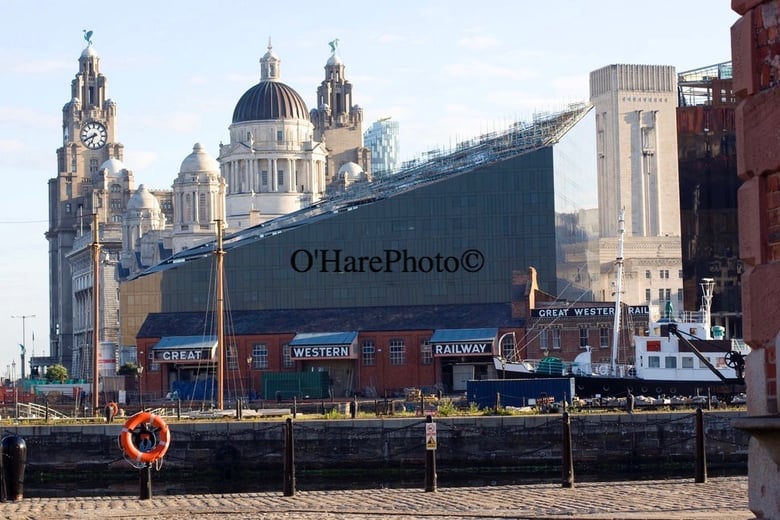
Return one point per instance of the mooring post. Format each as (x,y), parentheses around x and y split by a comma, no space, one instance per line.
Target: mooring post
(178,409)
(430,454)
(567,476)
(353,411)
(289,459)
(145,479)
(701,452)
(498,401)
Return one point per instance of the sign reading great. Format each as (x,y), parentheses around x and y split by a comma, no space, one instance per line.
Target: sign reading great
(584,312)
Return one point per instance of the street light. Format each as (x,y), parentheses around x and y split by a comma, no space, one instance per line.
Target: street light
(24,336)
(140,371)
(248,378)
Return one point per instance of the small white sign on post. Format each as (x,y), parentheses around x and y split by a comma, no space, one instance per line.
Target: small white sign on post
(430,436)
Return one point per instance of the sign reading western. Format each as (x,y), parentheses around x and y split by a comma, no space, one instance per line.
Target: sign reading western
(473,348)
(181,355)
(321,352)
(586,312)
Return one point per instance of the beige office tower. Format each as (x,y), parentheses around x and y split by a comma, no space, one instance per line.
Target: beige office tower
(636,143)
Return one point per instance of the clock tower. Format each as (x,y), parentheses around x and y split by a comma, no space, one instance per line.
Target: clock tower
(91,185)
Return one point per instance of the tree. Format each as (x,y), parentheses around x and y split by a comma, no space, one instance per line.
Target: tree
(57,373)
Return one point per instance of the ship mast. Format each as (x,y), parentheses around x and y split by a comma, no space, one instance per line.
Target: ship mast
(618,290)
(95,314)
(220,254)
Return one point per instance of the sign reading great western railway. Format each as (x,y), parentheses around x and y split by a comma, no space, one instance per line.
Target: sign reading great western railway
(474,348)
(586,312)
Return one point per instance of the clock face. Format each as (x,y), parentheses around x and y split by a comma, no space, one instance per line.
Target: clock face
(94,135)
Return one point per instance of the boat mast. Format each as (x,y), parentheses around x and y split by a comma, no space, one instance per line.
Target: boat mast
(707,288)
(618,290)
(220,254)
(95,314)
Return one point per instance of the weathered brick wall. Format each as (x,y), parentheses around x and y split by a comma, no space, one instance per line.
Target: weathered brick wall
(755,47)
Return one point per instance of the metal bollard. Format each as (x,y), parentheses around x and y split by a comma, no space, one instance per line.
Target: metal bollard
(430,463)
(701,452)
(14,454)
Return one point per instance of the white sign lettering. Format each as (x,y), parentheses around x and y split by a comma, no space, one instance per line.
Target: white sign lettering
(463,349)
(320,352)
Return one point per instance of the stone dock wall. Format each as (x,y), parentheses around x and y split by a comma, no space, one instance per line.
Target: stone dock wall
(611,442)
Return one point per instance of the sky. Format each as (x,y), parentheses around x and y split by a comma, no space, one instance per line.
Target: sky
(446,70)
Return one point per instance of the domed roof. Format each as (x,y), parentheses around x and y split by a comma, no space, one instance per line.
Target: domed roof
(352,172)
(142,199)
(199,161)
(89,52)
(114,167)
(334,59)
(270,100)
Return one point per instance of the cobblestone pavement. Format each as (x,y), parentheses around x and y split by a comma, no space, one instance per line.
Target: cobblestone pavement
(717,499)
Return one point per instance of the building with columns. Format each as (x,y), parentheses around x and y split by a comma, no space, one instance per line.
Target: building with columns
(338,124)
(273,164)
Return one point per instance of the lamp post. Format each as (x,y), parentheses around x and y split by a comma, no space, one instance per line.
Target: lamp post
(140,370)
(248,378)
(24,336)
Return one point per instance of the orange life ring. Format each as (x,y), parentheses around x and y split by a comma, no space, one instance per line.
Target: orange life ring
(145,438)
(112,408)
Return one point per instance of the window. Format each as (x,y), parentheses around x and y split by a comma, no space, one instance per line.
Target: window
(648,275)
(660,295)
(280,177)
(544,344)
(68,207)
(508,346)
(648,295)
(115,204)
(556,339)
(680,274)
(670,362)
(687,362)
(583,337)
(202,208)
(679,297)
(287,360)
(397,352)
(369,353)
(664,274)
(653,362)
(260,355)
(426,353)
(231,356)
(668,294)
(279,136)
(264,177)
(93,166)
(604,337)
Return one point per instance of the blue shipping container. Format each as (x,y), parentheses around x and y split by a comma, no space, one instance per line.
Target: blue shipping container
(519,392)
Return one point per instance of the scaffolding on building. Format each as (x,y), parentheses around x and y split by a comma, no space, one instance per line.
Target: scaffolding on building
(521,138)
(694,87)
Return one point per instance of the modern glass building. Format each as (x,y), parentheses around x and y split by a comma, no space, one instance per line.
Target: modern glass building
(456,230)
(382,139)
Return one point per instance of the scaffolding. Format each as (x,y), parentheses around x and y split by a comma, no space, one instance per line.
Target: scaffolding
(545,129)
(695,87)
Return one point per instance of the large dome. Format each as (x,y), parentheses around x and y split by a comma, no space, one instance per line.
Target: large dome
(270,100)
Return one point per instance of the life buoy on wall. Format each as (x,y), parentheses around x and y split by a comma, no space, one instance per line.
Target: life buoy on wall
(603,370)
(145,438)
(111,410)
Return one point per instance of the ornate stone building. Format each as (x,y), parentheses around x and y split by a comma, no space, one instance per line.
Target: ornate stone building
(273,164)
(338,123)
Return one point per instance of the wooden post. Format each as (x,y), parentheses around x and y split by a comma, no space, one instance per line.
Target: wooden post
(701,452)
(289,459)
(567,476)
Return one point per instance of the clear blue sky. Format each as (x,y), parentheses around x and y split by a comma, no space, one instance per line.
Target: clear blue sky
(447,70)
